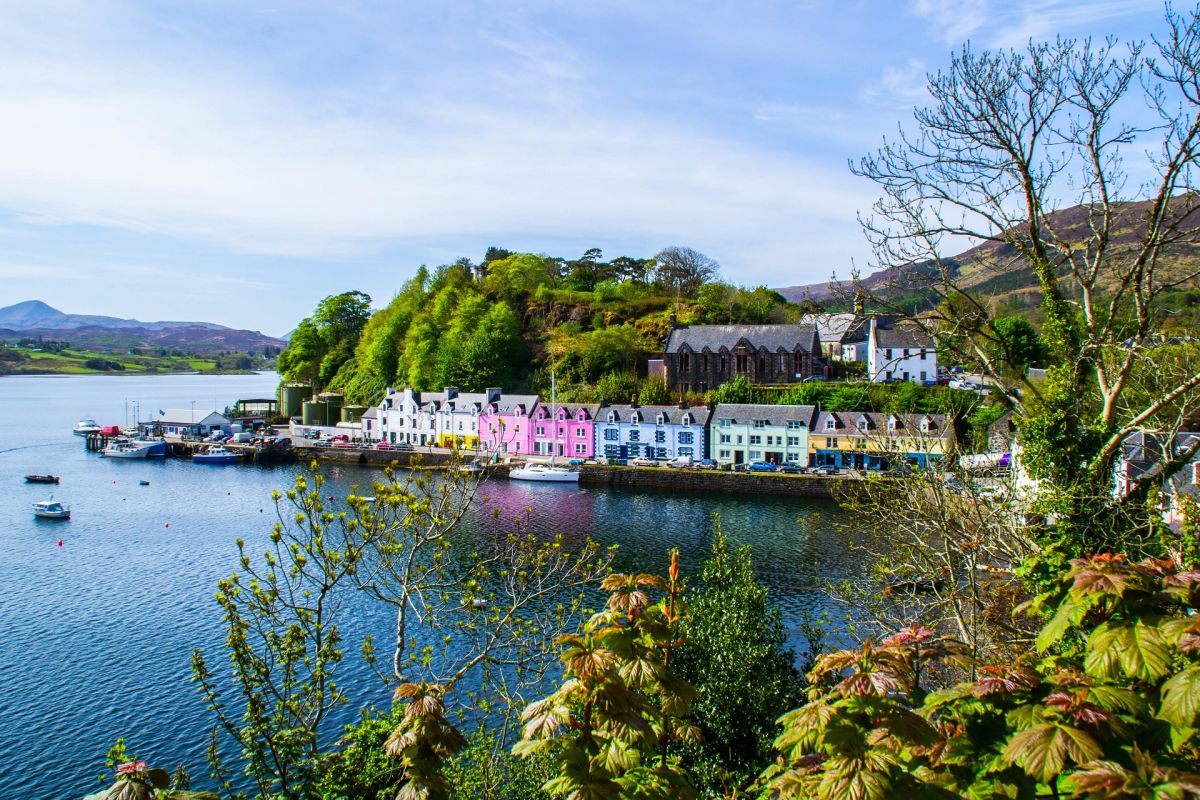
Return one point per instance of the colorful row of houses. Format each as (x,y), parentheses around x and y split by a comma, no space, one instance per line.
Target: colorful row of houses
(522,425)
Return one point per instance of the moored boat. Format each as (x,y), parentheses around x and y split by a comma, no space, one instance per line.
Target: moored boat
(123,448)
(51,509)
(85,426)
(41,479)
(217,455)
(544,472)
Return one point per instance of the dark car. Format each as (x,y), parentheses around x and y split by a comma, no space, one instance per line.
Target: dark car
(706,463)
(790,469)
(761,466)
(825,470)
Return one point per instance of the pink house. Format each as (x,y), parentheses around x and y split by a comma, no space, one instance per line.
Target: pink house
(506,426)
(571,432)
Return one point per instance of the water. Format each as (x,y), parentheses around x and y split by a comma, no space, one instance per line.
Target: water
(96,635)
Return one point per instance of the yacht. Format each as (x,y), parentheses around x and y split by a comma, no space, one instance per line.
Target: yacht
(85,426)
(51,509)
(544,472)
(217,455)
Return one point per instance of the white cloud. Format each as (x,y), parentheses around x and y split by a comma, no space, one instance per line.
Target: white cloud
(952,20)
(898,87)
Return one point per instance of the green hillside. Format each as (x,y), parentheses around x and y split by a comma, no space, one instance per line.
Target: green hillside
(513,318)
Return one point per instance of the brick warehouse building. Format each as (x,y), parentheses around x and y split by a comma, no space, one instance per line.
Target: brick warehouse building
(702,357)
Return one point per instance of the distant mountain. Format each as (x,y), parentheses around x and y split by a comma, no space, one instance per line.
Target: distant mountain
(33,319)
(36,314)
(995,270)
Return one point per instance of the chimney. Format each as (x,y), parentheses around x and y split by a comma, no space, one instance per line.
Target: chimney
(492,394)
(451,392)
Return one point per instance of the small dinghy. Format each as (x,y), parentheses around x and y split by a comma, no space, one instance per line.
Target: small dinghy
(41,479)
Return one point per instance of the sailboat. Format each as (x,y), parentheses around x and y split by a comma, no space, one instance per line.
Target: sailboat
(547,472)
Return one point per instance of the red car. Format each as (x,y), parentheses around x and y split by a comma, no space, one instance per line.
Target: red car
(341,443)
(384,446)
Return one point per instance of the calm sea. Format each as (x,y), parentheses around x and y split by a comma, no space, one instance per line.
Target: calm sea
(96,634)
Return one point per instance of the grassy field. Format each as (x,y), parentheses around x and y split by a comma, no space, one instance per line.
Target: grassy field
(25,361)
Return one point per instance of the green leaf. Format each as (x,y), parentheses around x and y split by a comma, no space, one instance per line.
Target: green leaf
(1146,656)
(1042,751)
(1181,698)
(1070,613)
(1104,646)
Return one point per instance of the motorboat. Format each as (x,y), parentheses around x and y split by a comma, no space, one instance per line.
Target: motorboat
(544,472)
(51,509)
(86,426)
(135,448)
(469,468)
(217,455)
(41,479)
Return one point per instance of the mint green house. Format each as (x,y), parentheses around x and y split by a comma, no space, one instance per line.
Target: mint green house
(745,432)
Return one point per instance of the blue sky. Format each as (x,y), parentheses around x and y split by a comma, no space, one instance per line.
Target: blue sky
(235,162)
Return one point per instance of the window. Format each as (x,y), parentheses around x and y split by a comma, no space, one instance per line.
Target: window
(739,439)
(891,424)
(580,433)
(743,363)
(725,438)
(612,417)
(923,378)
(755,440)
(685,451)
(704,362)
(782,362)
(862,423)
(793,441)
(906,352)
(660,419)
(888,354)
(660,436)
(830,424)
(724,363)
(612,450)
(831,442)
(580,448)
(762,365)
(795,425)
(760,423)
(685,362)
(541,430)
(723,454)
(725,423)
(635,435)
(687,420)
(793,457)
(611,434)
(686,437)
(756,455)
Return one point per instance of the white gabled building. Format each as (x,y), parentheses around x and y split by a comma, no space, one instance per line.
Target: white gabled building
(191,423)
(658,432)
(432,419)
(900,351)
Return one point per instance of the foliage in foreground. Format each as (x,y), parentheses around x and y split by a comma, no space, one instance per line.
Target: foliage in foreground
(1112,714)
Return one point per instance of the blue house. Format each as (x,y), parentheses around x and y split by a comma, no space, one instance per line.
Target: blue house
(658,432)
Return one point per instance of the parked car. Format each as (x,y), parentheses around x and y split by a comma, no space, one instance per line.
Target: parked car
(641,461)
(341,437)
(321,443)
(312,434)
(791,469)
(242,438)
(824,470)
(813,379)
(761,466)
(384,446)
(680,462)
(706,463)
(341,443)
(576,462)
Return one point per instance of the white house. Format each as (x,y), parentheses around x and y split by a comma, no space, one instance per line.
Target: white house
(658,432)
(443,419)
(186,422)
(900,352)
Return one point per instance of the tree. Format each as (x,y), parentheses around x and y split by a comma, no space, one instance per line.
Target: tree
(734,656)
(1009,137)
(683,270)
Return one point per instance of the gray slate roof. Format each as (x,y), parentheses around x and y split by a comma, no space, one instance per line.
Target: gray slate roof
(673,414)
(839,328)
(772,337)
(746,413)
(910,424)
(371,413)
(902,334)
(508,403)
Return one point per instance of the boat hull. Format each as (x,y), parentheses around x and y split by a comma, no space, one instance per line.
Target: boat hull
(546,475)
(41,479)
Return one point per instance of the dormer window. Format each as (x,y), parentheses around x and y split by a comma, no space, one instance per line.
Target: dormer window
(687,419)
(830,424)
(795,425)
(636,419)
(724,423)
(891,423)
(925,426)
(660,420)
(612,417)
(862,423)
(760,423)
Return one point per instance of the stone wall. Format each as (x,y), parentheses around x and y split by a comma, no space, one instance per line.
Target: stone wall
(695,480)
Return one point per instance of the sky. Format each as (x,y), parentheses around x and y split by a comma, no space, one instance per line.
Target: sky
(235,162)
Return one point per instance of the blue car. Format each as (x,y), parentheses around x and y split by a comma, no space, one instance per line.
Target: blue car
(761,466)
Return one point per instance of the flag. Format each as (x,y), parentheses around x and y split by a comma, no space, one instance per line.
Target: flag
(162,413)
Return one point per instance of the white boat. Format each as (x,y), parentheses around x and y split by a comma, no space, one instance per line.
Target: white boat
(124,448)
(217,455)
(547,472)
(544,472)
(85,426)
(51,509)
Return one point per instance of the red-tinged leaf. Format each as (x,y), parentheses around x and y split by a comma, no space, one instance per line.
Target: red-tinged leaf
(1181,698)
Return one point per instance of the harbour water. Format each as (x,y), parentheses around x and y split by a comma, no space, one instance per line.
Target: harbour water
(96,634)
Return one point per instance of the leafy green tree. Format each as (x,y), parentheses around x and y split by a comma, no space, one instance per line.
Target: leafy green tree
(733,653)
(1020,345)
(617,387)
(682,270)
(654,392)
(300,361)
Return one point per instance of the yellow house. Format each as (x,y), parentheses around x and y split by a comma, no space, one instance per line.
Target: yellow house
(871,441)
